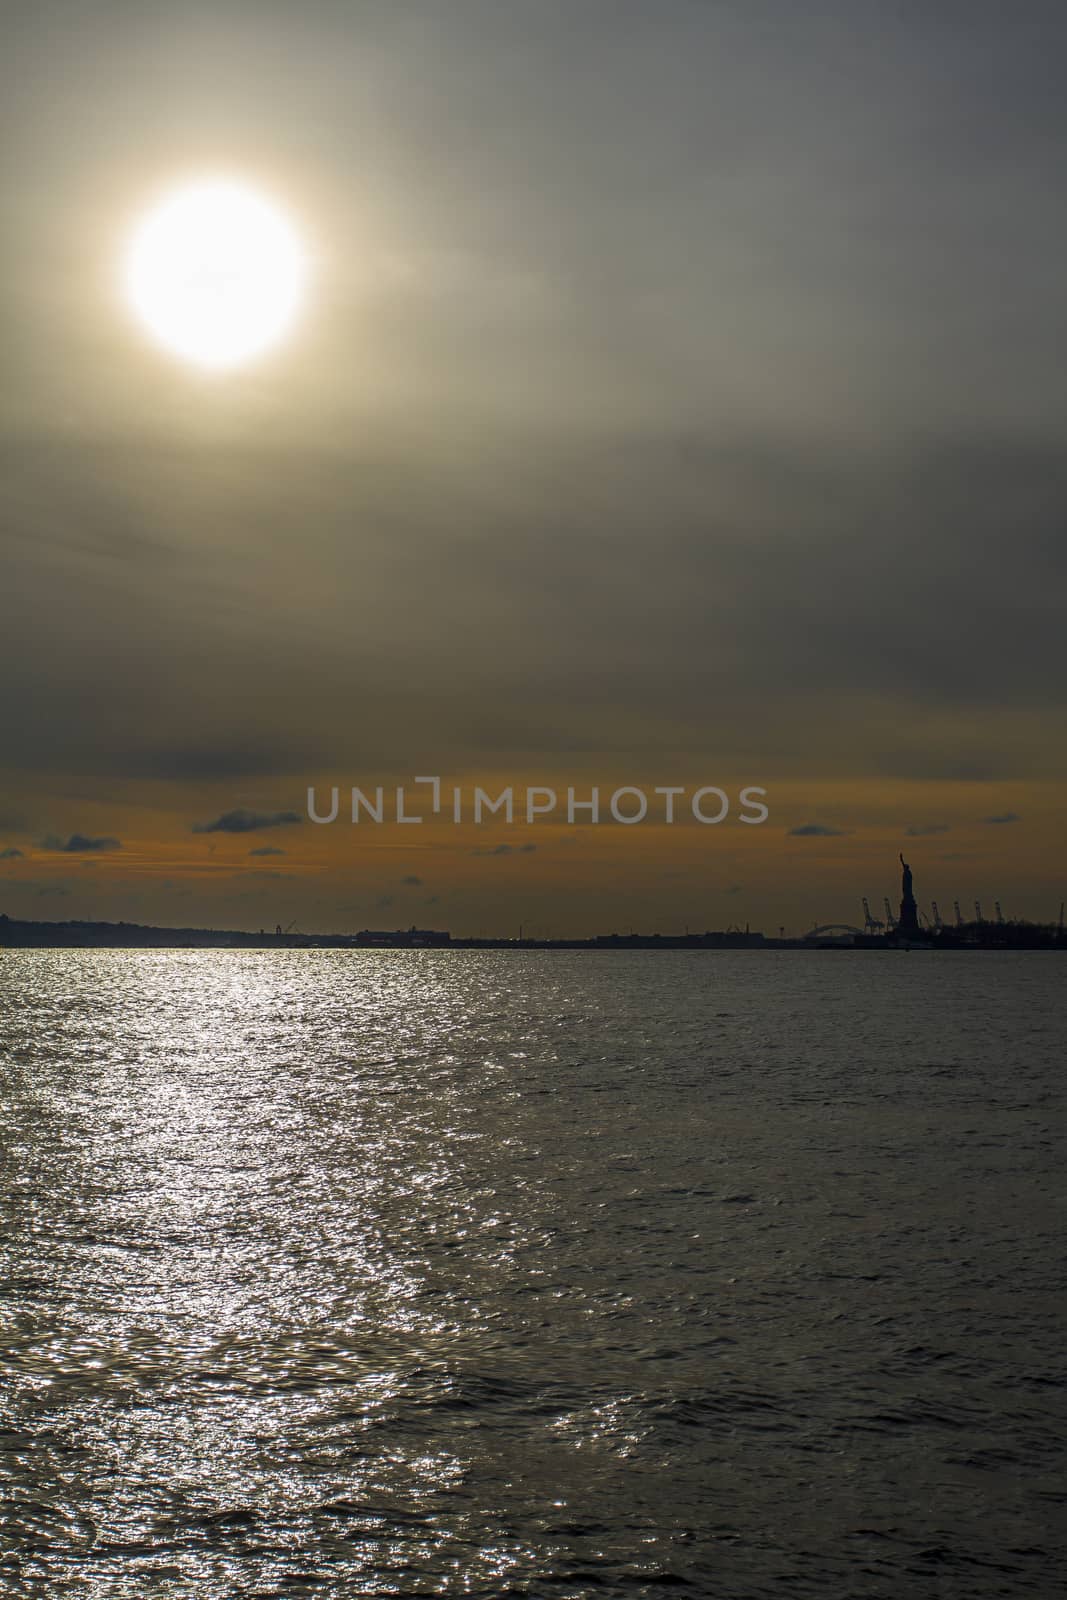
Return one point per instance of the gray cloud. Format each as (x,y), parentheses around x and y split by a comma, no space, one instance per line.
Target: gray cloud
(267,850)
(920,830)
(11,854)
(816,830)
(242,821)
(762,551)
(413,881)
(79,844)
(507,850)
(698,364)
(1004,817)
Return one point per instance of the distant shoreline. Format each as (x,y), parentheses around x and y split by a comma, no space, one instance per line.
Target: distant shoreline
(27,935)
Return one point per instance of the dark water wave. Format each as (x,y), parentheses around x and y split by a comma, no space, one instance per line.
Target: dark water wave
(551,1275)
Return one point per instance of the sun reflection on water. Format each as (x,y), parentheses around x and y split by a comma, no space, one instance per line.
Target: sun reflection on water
(402,1273)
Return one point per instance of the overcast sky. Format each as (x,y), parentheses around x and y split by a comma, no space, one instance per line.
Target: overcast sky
(681,392)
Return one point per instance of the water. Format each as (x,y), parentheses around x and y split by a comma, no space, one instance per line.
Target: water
(548,1274)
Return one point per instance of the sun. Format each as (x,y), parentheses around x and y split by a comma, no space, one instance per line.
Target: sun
(216,273)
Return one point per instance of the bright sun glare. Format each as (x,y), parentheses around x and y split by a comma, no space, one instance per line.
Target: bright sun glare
(216,273)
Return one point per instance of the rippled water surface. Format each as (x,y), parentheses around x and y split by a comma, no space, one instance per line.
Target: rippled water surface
(547,1274)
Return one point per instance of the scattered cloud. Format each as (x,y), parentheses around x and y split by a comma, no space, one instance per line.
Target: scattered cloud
(79,844)
(1005,816)
(507,850)
(735,888)
(919,830)
(816,830)
(10,854)
(242,821)
(52,889)
(415,883)
(267,850)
